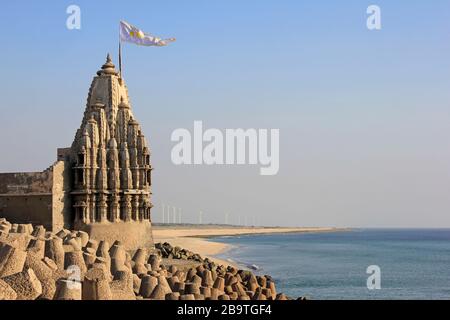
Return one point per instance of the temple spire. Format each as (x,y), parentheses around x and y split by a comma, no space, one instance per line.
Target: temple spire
(110,157)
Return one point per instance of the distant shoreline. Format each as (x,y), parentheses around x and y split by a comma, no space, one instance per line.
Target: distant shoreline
(214,230)
(197,237)
(276,231)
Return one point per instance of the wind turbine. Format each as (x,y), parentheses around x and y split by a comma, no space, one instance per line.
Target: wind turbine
(174,215)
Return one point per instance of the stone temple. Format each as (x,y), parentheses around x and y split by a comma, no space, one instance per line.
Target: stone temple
(101,184)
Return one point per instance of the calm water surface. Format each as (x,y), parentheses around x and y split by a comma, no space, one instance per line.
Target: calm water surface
(415,264)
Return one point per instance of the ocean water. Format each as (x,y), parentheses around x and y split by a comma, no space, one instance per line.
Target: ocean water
(414,264)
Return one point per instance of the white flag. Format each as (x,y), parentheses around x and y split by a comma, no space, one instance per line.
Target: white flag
(134,35)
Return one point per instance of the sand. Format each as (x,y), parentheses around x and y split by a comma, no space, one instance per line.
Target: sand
(195,237)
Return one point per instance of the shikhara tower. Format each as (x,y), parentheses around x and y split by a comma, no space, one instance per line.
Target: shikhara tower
(101,184)
(110,156)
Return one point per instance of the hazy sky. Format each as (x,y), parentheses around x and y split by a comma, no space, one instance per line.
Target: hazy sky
(364,116)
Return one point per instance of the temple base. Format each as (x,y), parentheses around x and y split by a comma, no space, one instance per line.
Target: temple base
(132,234)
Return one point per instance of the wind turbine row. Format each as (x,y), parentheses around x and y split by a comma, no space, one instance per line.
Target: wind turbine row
(172,214)
(167,213)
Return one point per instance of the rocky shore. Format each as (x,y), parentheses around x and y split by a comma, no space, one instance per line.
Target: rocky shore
(68,265)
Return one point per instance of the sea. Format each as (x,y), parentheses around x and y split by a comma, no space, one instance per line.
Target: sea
(356,264)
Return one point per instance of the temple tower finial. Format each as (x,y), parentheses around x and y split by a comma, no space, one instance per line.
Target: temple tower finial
(108,68)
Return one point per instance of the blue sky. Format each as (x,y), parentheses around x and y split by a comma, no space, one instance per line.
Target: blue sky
(364,116)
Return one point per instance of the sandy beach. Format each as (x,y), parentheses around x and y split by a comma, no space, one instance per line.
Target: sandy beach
(195,237)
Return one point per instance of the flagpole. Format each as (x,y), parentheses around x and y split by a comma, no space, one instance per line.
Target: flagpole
(120,55)
(120,59)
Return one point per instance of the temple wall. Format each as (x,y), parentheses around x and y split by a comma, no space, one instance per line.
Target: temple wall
(27,197)
(40,198)
(26,182)
(132,234)
(61,200)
